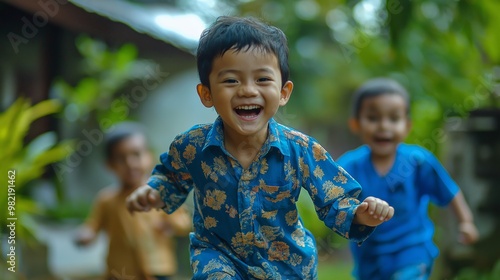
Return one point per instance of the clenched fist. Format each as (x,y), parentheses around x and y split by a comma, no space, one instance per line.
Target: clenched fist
(144,199)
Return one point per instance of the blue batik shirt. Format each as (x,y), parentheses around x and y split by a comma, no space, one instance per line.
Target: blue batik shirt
(250,215)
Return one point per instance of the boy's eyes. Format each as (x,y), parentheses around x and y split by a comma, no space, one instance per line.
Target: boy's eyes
(230,81)
(395,118)
(234,81)
(264,79)
(136,154)
(121,158)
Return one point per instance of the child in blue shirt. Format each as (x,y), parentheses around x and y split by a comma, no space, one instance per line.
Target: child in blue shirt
(247,170)
(408,177)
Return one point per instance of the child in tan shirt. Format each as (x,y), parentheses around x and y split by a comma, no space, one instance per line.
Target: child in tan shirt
(131,236)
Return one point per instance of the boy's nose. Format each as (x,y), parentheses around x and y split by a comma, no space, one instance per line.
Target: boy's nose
(384,124)
(131,162)
(247,89)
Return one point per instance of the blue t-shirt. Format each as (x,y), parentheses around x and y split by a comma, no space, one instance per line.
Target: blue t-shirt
(245,220)
(415,178)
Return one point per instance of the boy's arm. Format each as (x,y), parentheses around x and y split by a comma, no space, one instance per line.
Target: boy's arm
(179,223)
(435,181)
(169,184)
(144,199)
(334,193)
(87,232)
(467,229)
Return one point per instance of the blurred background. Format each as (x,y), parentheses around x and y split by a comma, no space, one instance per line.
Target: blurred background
(71,69)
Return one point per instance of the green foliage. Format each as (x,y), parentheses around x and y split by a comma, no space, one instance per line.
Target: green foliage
(332,269)
(443,52)
(106,72)
(473,274)
(30,160)
(65,210)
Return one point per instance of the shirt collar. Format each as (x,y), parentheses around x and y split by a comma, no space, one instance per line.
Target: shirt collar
(275,139)
(215,136)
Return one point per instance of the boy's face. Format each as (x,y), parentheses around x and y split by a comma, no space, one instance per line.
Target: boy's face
(131,161)
(245,89)
(383,123)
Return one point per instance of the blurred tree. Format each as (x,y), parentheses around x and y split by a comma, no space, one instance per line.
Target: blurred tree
(95,98)
(445,52)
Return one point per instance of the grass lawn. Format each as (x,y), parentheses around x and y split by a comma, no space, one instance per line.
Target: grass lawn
(334,269)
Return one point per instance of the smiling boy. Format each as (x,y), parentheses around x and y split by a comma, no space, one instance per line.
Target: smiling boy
(408,177)
(141,246)
(247,170)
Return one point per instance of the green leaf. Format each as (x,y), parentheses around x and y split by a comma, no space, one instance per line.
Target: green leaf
(63,90)
(124,56)
(28,161)
(43,108)
(55,154)
(40,144)
(86,92)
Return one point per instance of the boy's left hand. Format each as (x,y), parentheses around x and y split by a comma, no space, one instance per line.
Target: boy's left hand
(468,233)
(373,211)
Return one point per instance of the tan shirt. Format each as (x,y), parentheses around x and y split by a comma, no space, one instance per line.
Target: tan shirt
(142,244)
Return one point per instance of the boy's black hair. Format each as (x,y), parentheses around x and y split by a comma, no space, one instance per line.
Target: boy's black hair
(240,34)
(376,87)
(118,133)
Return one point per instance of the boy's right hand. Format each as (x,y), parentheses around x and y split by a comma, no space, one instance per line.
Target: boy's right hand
(373,211)
(144,199)
(84,236)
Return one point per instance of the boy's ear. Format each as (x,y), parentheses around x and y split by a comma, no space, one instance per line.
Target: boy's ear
(205,95)
(354,125)
(286,92)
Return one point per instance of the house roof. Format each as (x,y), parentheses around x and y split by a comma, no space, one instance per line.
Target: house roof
(162,21)
(146,23)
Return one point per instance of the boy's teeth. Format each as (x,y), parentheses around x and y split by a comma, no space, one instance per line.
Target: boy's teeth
(247,107)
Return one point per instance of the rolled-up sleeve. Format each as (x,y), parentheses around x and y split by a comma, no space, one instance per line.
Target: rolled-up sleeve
(171,178)
(334,193)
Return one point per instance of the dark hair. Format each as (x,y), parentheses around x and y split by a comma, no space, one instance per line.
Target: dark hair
(118,133)
(240,34)
(376,87)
